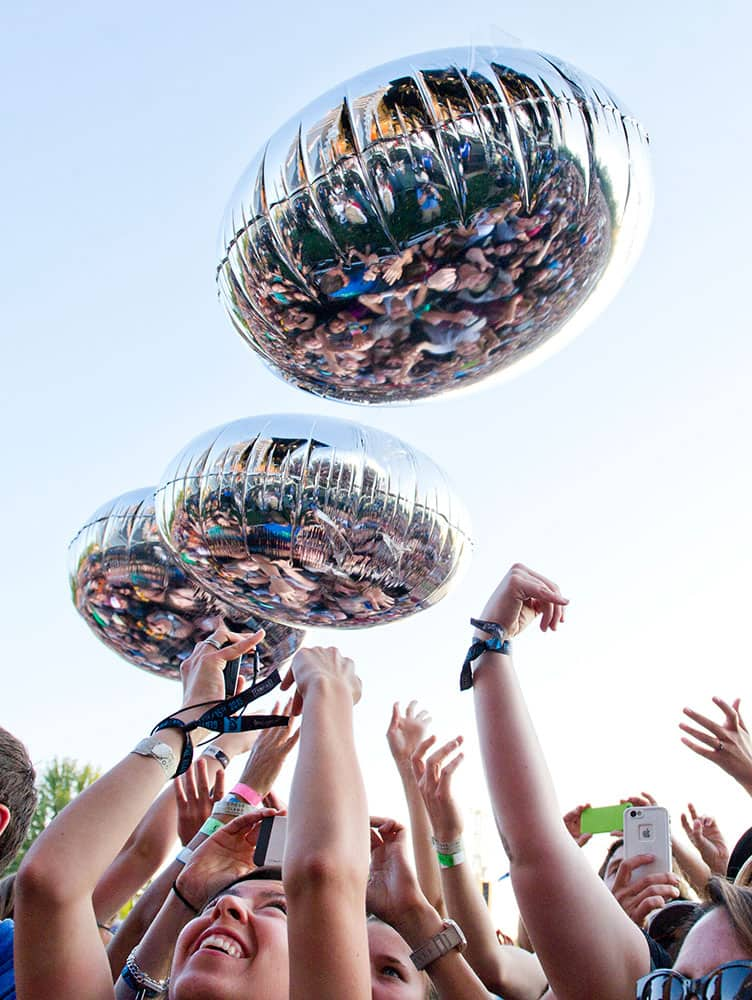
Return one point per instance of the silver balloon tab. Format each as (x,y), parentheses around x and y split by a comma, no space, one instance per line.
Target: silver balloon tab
(440,221)
(140,602)
(313,521)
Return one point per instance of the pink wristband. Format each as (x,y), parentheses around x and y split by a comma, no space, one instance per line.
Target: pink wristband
(246,793)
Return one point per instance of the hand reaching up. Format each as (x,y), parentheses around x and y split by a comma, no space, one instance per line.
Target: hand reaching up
(727,744)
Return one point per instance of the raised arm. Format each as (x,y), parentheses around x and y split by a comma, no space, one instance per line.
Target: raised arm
(506,970)
(395,896)
(327,852)
(585,942)
(404,735)
(58,949)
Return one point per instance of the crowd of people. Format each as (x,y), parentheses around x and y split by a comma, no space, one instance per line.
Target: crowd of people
(362,907)
(483,276)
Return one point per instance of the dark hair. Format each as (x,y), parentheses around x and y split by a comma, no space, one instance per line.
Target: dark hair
(613,847)
(17,792)
(267,873)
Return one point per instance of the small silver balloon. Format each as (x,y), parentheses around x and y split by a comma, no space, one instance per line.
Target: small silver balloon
(313,521)
(433,223)
(140,603)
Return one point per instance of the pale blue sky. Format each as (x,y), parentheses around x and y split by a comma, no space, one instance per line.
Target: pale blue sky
(619,467)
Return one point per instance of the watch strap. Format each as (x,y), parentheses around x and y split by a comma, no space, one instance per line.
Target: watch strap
(449,938)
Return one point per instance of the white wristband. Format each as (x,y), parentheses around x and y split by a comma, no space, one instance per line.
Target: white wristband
(184,856)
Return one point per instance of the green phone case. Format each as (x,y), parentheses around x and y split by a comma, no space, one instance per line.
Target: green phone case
(603,819)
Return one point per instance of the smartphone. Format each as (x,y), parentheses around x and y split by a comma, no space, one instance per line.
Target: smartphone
(270,846)
(603,819)
(647,830)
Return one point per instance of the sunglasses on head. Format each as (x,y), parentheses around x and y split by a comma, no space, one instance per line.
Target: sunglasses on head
(732,981)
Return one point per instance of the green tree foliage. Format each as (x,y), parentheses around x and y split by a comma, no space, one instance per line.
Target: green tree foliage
(60,782)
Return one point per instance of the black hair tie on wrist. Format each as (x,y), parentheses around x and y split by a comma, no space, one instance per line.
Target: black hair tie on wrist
(495,644)
(183,900)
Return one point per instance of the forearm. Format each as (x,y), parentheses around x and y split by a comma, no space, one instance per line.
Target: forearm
(692,865)
(146,851)
(327,853)
(504,969)
(578,907)
(451,975)
(328,814)
(153,953)
(519,782)
(426,863)
(69,857)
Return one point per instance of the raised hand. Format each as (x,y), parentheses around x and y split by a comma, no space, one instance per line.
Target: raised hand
(269,753)
(392,886)
(406,731)
(521,597)
(202,672)
(434,777)
(320,665)
(196,796)
(727,744)
(705,834)
(572,821)
(638,899)
(223,857)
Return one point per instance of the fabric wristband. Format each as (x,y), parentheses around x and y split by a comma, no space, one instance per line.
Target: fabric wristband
(211,826)
(496,644)
(246,793)
(184,856)
(450,860)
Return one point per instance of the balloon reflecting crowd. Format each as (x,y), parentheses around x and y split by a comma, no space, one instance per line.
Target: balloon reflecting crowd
(459,302)
(317,898)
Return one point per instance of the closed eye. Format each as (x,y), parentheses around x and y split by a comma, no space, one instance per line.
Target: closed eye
(277,904)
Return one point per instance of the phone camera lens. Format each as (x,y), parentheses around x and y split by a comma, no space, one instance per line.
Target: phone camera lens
(633,812)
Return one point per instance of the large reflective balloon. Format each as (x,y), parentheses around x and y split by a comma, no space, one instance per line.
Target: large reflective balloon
(434,222)
(313,521)
(139,602)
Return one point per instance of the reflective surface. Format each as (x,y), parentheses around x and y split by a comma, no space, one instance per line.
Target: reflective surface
(433,222)
(313,521)
(139,602)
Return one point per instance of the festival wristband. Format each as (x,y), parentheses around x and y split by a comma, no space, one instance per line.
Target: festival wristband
(450,860)
(246,793)
(495,644)
(232,807)
(448,847)
(211,826)
(184,856)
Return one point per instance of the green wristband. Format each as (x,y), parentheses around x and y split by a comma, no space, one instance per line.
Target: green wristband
(211,826)
(451,860)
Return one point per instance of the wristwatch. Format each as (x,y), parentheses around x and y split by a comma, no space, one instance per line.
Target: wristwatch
(449,938)
(152,746)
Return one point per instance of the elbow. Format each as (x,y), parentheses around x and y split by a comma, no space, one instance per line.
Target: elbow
(39,879)
(321,873)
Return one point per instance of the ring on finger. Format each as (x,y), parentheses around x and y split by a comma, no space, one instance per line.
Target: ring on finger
(214,642)
(719,745)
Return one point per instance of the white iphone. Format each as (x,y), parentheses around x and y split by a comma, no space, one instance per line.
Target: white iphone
(647,830)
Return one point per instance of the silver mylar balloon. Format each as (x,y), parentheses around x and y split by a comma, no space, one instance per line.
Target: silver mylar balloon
(434,222)
(312,521)
(139,602)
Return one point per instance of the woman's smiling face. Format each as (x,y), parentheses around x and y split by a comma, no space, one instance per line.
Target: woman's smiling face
(239,939)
